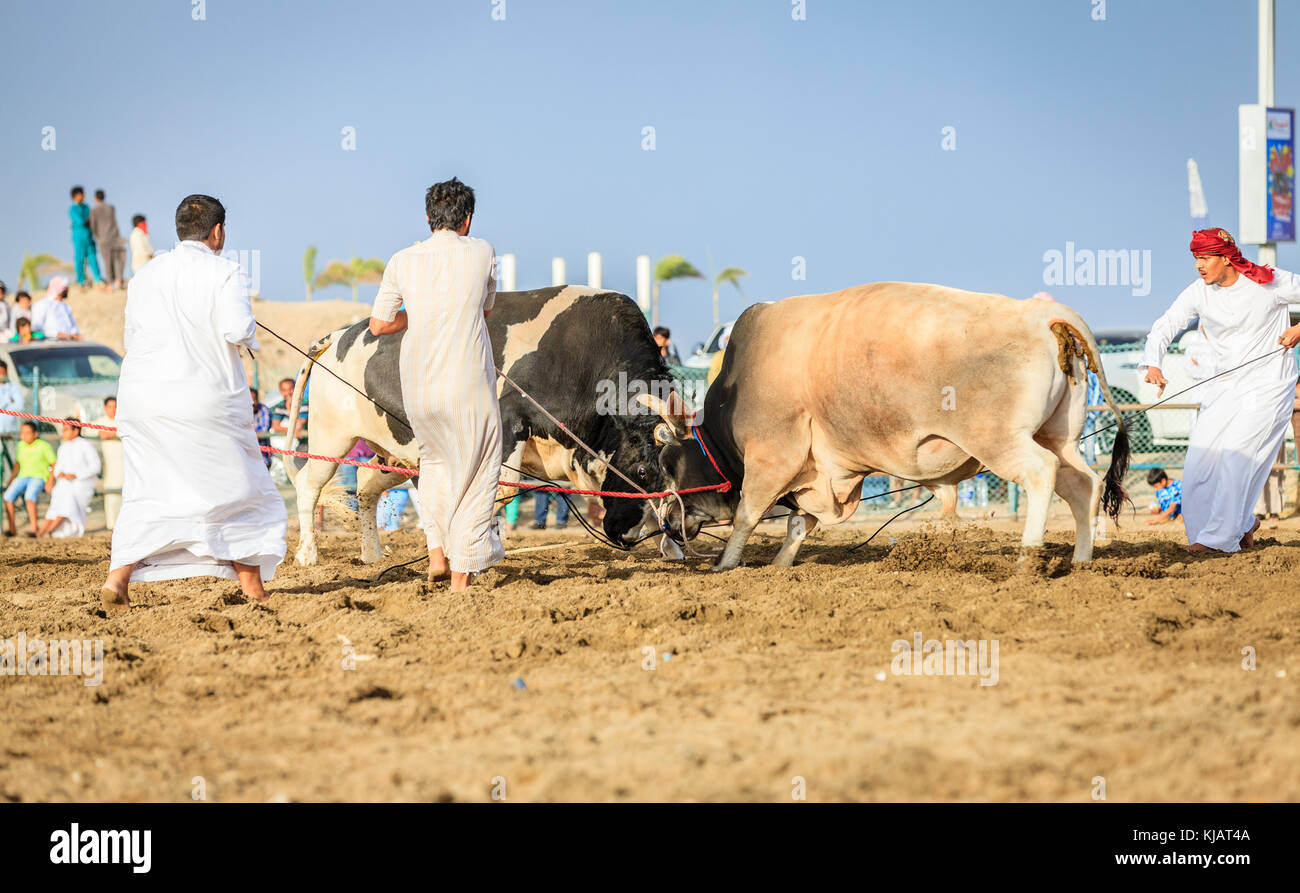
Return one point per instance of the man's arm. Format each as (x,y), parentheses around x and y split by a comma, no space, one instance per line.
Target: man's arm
(388,327)
(385,317)
(235,312)
(1175,319)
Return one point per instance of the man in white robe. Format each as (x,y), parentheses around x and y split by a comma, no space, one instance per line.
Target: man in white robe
(75,472)
(449,381)
(1244,413)
(111,451)
(196,497)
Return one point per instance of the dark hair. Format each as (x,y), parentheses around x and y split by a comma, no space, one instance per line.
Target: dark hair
(137,220)
(21,320)
(76,191)
(4,365)
(21,295)
(1155,476)
(31,425)
(447,204)
(196,215)
(112,398)
(660,330)
(290,380)
(4,289)
(76,426)
(99,194)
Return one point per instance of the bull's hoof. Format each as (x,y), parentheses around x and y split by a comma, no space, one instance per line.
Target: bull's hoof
(724,566)
(306,557)
(1033,561)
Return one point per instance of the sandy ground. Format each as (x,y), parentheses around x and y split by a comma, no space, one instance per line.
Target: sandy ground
(538,681)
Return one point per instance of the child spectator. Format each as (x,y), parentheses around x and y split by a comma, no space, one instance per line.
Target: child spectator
(28,478)
(22,307)
(24,333)
(73,486)
(1169,494)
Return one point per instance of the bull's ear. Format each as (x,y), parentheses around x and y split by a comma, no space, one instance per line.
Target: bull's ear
(672,410)
(663,434)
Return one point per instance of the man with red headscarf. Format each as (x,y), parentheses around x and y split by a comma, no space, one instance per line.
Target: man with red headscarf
(1244,413)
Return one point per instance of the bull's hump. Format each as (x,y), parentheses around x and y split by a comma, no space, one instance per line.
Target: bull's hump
(523,337)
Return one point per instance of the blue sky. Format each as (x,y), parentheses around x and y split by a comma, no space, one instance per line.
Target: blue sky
(775,138)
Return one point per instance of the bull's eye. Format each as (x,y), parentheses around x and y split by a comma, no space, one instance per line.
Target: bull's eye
(641,472)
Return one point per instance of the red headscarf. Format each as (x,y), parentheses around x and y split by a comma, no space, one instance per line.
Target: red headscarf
(1219,242)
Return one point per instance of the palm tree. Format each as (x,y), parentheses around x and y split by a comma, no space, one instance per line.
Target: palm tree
(673,266)
(309,268)
(371,270)
(732,275)
(37,265)
(351,273)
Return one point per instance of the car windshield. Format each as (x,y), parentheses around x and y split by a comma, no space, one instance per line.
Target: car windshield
(76,362)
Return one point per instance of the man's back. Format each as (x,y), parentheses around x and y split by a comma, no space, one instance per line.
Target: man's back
(185,312)
(103,223)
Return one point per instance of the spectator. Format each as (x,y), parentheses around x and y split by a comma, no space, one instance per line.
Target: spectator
(29,477)
(111,448)
(22,307)
(24,334)
(666,350)
(392,505)
(11,398)
(141,245)
(83,243)
(53,316)
(262,424)
(1270,503)
(280,418)
(1169,494)
(73,485)
(6,314)
(348,473)
(541,503)
(103,227)
(1088,438)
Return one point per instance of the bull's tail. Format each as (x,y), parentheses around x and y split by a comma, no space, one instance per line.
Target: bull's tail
(299,385)
(1078,341)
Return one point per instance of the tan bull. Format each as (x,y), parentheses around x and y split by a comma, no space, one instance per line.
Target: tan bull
(919,381)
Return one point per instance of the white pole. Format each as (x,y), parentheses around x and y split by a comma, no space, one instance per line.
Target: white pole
(1267,9)
(507,282)
(557,271)
(643,282)
(593,269)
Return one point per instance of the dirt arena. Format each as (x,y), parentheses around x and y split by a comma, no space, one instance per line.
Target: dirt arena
(1130,669)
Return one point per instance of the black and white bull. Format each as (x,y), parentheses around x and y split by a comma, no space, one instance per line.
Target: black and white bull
(564,345)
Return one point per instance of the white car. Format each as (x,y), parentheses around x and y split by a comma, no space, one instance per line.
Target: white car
(71,378)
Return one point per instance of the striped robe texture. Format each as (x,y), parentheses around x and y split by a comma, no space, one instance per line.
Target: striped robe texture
(449,389)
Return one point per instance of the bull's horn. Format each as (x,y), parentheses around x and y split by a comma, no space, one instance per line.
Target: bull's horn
(673,410)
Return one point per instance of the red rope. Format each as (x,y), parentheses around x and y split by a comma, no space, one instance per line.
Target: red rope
(409,472)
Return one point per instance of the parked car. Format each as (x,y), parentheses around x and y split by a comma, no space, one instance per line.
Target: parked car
(73,377)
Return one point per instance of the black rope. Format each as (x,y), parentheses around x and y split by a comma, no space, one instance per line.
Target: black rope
(890,521)
(317,364)
(1271,353)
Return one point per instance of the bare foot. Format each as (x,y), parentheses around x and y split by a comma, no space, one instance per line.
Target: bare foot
(114,599)
(460,582)
(439,569)
(1249,539)
(1197,547)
